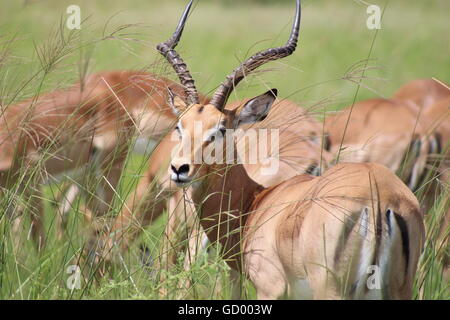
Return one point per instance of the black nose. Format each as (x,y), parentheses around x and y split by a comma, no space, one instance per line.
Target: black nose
(183,169)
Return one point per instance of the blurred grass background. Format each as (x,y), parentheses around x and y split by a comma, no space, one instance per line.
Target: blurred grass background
(411,44)
(334,41)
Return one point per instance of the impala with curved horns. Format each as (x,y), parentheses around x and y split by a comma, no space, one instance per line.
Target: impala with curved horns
(299,138)
(318,235)
(300,152)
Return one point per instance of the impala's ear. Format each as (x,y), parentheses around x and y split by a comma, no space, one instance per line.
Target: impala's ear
(256,109)
(177,104)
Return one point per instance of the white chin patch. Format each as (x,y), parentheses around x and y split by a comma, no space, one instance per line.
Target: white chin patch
(180,180)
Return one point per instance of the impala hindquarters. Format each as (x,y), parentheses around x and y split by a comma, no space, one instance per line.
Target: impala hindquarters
(422,93)
(326,237)
(430,101)
(384,131)
(409,134)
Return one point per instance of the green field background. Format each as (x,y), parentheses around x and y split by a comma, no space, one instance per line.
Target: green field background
(412,43)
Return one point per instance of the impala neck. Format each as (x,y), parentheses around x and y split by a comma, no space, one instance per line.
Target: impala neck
(223,200)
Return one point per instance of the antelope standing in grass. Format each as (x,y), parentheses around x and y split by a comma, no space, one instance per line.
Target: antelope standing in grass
(431,99)
(300,151)
(382,131)
(409,134)
(87,126)
(308,234)
(398,133)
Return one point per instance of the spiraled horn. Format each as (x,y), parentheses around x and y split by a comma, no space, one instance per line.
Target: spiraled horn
(168,51)
(222,94)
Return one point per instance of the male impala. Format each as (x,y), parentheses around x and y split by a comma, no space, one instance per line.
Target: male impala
(300,151)
(319,233)
(85,126)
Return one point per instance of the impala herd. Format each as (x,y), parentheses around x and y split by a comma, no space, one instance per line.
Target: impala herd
(339,204)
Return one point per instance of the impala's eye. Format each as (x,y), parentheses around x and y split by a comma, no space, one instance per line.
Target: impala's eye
(178,131)
(216,135)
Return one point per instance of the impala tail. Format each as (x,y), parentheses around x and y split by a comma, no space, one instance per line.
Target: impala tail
(417,165)
(383,264)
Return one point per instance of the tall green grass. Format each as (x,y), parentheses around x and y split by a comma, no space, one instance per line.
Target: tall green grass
(38,54)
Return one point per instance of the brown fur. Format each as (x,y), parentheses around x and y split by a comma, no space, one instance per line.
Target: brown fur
(300,147)
(69,124)
(293,233)
(386,130)
(379,130)
(397,133)
(290,232)
(422,92)
(266,249)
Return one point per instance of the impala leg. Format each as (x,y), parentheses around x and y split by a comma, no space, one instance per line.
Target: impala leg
(36,208)
(182,233)
(19,201)
(236,285)
(266,273)
(141,209)
(65,202)
(13,212)
(197,243)
(97,202)
(170,244)
(99,181)
(16,218)
(108,166)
